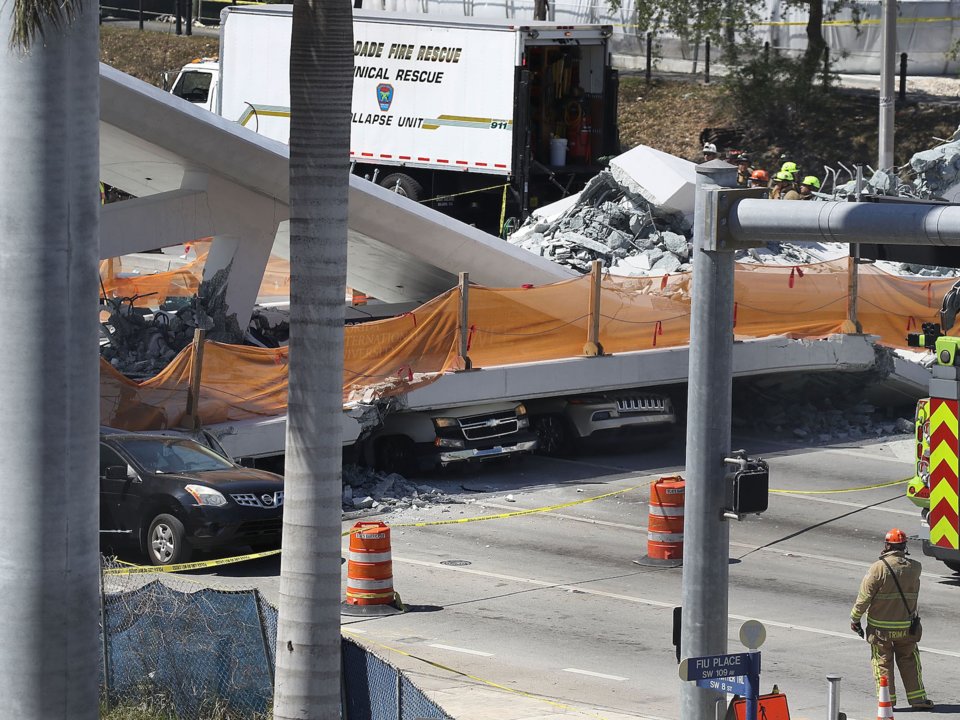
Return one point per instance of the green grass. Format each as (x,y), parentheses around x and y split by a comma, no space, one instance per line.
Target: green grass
(159,708)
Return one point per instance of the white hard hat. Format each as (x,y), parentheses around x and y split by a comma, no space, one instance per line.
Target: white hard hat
(710,148)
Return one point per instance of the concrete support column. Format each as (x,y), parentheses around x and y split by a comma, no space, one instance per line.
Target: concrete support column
(245,225)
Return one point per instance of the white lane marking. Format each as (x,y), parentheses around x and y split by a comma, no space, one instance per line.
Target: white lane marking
(775,550)
(745,546)
(637,600)
(847,503)
(451,648)
(595,674)
(855,452)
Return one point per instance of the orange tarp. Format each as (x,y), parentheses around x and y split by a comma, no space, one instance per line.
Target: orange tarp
(522,325)
(119,280)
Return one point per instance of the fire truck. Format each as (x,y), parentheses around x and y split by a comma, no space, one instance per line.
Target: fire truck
(934,488)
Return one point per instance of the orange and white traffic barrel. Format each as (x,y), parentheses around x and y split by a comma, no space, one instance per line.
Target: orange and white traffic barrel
(665,523)
(370,572)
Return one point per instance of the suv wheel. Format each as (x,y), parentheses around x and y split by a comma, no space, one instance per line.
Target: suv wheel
(395,454)
(167,542)
(553,438)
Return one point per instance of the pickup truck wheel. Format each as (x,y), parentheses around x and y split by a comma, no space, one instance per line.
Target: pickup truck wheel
(553,436)
(403,184)
(167,541)
(953,565)
(394,454)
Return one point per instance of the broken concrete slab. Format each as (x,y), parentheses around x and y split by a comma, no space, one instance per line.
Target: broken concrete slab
(664,180)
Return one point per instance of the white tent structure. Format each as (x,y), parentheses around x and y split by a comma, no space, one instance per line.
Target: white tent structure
(926,29)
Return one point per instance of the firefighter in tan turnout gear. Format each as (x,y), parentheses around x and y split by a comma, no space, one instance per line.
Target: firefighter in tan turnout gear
(888,596)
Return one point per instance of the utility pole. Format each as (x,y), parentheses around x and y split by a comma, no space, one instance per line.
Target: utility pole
(887,77)
(706,533)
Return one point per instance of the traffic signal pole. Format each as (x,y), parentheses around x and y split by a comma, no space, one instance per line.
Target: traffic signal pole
(728,220)
(757,221)
(706,536)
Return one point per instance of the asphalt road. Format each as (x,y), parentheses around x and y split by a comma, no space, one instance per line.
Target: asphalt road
(546,614)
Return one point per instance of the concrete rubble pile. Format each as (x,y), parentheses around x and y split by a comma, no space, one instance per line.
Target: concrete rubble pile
(822,409)
(936,176)
(140,343)
(608,222)
(826,423)
(633,217)
(366,489)
(636,217)
(938,171)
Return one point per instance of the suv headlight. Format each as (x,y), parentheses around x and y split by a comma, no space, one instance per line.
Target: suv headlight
(444,422)
(521,410)
(206,495)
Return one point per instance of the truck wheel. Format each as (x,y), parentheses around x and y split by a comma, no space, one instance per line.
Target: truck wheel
(403,184)
(553,437)
(167,541)
(953,565)
(394,454)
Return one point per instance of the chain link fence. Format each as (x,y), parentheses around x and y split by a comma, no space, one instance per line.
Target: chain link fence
(173,645)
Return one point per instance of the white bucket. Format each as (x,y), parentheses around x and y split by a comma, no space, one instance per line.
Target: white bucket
(558,151)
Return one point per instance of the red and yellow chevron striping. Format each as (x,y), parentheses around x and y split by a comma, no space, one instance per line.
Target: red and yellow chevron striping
(944,449)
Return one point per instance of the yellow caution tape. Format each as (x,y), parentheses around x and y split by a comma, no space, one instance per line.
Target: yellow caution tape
(516,513)
(561,506)
(180,567)
(503,209)
(868,21)
(826,23)
(488,683)
(467,192)
(843,490)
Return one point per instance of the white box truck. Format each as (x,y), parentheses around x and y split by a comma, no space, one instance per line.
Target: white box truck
(481,119)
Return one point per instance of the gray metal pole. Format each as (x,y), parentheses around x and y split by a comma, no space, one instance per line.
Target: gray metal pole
(887,76)
(464,320)
(706,534)
(881,223)
(833,697)
(853,289)
(592,346)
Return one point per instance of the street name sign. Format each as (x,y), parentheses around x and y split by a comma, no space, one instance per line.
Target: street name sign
(736,685)
(713,667)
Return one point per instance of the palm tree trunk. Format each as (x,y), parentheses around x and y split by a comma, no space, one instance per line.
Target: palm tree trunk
(815,43)
(308,630)
(49,248)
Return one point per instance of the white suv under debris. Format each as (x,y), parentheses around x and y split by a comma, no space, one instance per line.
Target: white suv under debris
(561,422)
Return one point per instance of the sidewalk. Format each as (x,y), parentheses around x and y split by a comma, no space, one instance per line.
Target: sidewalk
(945,87)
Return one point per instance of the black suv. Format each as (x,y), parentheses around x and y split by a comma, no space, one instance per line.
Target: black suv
(171,494)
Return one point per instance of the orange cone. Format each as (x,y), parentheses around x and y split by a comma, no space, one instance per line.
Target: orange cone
(884,706)
(370,572)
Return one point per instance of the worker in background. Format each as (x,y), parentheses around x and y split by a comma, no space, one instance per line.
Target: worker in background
(709,152)
(744,171)
(807,187)
(790,167)
(759,179)
(888,596)
(782,184)
(732,156)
